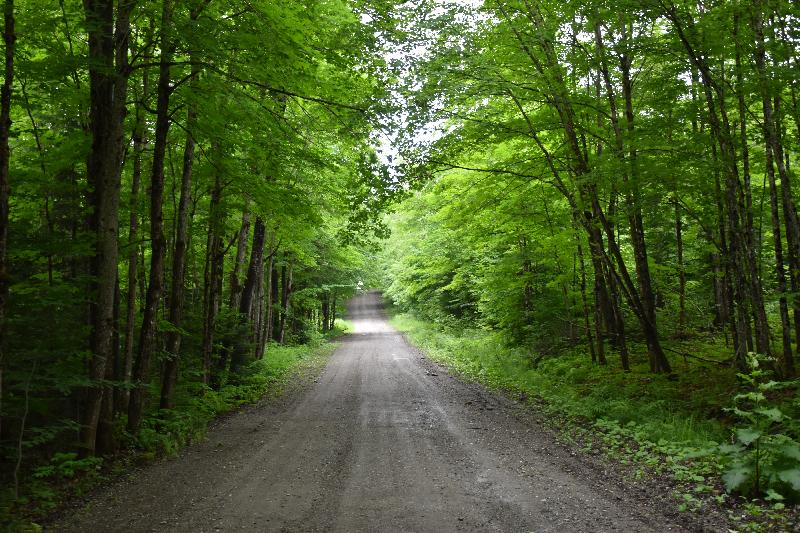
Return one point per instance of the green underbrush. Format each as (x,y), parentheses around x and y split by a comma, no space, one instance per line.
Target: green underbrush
(53,480)
(700,425)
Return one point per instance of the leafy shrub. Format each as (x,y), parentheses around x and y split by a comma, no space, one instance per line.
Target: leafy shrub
(763,459)
(67,466)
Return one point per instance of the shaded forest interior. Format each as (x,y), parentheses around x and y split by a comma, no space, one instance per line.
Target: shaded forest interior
(191,189)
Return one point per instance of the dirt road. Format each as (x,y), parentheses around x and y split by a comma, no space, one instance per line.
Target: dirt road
(383,440)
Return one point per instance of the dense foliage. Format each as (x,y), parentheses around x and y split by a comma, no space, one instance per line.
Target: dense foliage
(185,184)
(609,178)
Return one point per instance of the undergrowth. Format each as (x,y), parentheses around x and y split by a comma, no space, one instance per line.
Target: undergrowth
(686,426)
(64,476)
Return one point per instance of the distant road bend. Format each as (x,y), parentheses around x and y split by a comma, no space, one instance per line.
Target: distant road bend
(383,440)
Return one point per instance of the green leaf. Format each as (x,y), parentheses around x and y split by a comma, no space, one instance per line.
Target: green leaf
(791,450)
(730,449)
(773,496)
(747,435)
(736,477)
(792,477)
(773,413)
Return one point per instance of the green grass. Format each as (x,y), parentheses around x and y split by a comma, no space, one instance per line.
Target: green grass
(166,432)
(657,424)
(688,410)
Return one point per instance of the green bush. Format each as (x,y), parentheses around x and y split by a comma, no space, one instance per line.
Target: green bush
(764,457)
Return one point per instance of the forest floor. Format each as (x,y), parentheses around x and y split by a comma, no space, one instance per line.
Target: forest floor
(384,440)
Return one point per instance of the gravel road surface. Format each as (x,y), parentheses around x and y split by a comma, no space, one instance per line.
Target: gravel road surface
(381,440)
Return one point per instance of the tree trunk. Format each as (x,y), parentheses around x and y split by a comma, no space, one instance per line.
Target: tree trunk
(285,296)
(775,154)
(212,278)
(173,337)
(249,291)
(786,334)
(268,321)
(681,270)
(585,303)
(251,280)
(108,83)
(276,313)
(241,255)
(326,312)
(333,310)
(9,38)
(106,443)
(742,297)
(139,144)
(658,360)
(141,371)
(760,322)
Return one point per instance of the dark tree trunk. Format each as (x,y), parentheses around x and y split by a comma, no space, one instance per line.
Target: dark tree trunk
(775,154)
(251,280)
(326,312)
(9,38)
(585,304)
(604,315)
(760,322)
(738,258)
(108,83)
(249,291)
(681,270)
(276,313)
(285,296)
(333,310)
(241,255)
(173,338)
(658,360)
(141,371)
(212,278)
(139,144)
(106,443)
(786,333)
(270,299)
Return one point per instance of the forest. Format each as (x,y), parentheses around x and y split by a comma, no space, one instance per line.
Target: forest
(593,196)
(606,217)
(184,187)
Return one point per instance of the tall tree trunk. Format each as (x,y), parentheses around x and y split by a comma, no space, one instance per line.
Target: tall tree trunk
(173,337)
(285,296)
(141,371)
(734,209)
(212,278)
(276,313)
(326,312)
(241,255)
(9,38)
(106,443)
(270,299)
(681,330)
(786,334)
(108,84)
(585,304)
(775,152)
(760,322)
(333,310)
(249,291)
(604,314)
(251,280)
(658,360)
(139,144)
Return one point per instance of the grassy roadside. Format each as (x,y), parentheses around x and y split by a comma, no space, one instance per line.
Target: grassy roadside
(659,426)
(48,487)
